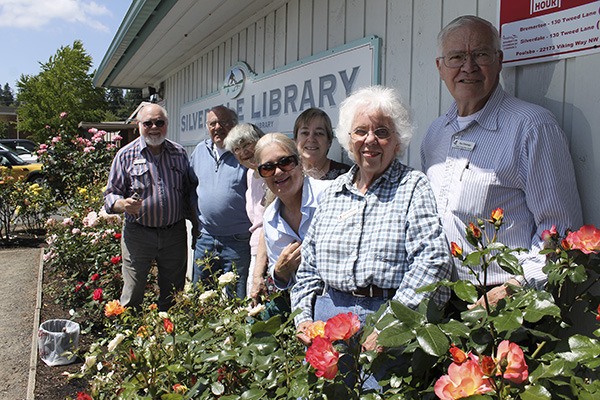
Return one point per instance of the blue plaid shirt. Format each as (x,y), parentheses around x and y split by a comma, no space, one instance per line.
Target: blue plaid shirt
(390,237)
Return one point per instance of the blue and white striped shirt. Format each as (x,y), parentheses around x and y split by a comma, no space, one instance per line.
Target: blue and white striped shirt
(390,237)
(513,155)
(163,182)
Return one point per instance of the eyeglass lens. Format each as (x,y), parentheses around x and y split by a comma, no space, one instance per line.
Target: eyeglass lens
(380,133)
(159,123)
(480,57)
(285,164)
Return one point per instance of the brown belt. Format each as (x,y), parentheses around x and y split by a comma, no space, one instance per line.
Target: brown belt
(373,291)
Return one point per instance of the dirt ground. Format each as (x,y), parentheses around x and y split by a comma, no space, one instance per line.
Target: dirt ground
(19,269)
(18,288)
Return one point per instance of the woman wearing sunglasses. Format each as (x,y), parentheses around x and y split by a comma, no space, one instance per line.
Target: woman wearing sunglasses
(287,218)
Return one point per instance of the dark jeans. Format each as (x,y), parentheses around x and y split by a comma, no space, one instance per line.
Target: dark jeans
(225,252)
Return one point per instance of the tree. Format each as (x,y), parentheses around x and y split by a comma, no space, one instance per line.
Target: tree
(6,95)
(63,85)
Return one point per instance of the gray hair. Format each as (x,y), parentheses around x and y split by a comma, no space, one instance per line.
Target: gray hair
(280,139)
(370,100)
(242,134)
(146,107)
(468,21)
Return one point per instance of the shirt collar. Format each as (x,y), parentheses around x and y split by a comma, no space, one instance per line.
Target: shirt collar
(488,117)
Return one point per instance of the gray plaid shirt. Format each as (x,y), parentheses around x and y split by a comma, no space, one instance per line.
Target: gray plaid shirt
(390,237)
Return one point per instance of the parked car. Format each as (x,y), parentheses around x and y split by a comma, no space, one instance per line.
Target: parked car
(17,167)
(23,147)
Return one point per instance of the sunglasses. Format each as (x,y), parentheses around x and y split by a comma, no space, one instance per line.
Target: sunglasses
(285,164)
(159,123)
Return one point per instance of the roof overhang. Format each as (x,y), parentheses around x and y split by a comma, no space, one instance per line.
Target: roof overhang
(157,37)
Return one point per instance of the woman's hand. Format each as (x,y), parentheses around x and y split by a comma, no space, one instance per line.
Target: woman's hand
(301,333)
(288,262)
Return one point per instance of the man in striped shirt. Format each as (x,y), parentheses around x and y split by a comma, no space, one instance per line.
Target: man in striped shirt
(150,182)
(492,150)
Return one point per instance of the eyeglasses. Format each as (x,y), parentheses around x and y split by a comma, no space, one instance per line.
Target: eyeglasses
(242,148)
(225,123)
(380,133)
(159,123)
(285,164)
(479,57)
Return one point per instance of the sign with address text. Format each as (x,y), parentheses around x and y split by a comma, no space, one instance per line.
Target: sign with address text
(543,30)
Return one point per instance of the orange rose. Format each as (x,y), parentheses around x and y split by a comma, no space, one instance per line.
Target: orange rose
(458,356)
(463,380)
(586,239)
(516,369)
(497,216)
(342,326)
(315,329)
(473,234)
(113,308)
(456,250)
(322,356)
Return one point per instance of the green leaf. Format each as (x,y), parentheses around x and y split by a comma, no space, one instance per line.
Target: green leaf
(473,259)
(540,309)
(557,367)
(253,394)
(509,263)
(578,274)
(465,291)
(395,336)
(582,348)
(410,318)
(535,392)
(455,329)
(508,321)
(432,340)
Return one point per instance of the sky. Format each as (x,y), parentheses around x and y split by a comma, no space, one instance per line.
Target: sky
(32,31)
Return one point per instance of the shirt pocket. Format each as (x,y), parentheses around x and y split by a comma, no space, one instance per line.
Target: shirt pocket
(473,195)
(140,178)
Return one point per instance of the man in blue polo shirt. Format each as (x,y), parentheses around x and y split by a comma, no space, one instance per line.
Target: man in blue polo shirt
(224,238)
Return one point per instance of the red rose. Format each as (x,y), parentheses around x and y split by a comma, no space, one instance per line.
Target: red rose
(168,324)
(95,277)
(117,236)
(342,326)
(83,396)
(598,316)
(115,260)
(80,285)
(322,356)
(97,296)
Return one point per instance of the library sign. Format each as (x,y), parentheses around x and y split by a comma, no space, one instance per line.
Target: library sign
(273,100)
(543,30)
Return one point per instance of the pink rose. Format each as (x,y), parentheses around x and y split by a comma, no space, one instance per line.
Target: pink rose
(586,239)
(342,326)
(511,355)
(463,380)
(97,296)
(323,357)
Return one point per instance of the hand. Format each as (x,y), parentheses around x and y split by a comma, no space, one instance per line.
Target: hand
(128,205)
(288,262)
(301,333)
(257,289)
(496,294)
(371,342)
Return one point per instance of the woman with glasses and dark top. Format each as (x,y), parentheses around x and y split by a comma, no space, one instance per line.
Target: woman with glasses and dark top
(287,218)
(241,141)
(313,135)
(376,235)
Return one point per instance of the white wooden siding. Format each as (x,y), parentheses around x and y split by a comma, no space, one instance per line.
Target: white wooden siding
(408,28)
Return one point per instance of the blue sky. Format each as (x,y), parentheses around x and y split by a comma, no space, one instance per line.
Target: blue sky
(31,31)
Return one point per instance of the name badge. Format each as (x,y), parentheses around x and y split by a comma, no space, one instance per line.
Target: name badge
(347,214)
(139,161)
(463,145)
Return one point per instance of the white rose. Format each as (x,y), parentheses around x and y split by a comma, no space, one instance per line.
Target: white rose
(254,311)
(209,294)
(115,342)
(226,278)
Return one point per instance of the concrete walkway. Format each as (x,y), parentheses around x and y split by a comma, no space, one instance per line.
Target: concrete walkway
(19,270)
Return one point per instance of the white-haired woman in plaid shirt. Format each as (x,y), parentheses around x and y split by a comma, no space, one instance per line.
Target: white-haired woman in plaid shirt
(376,235)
